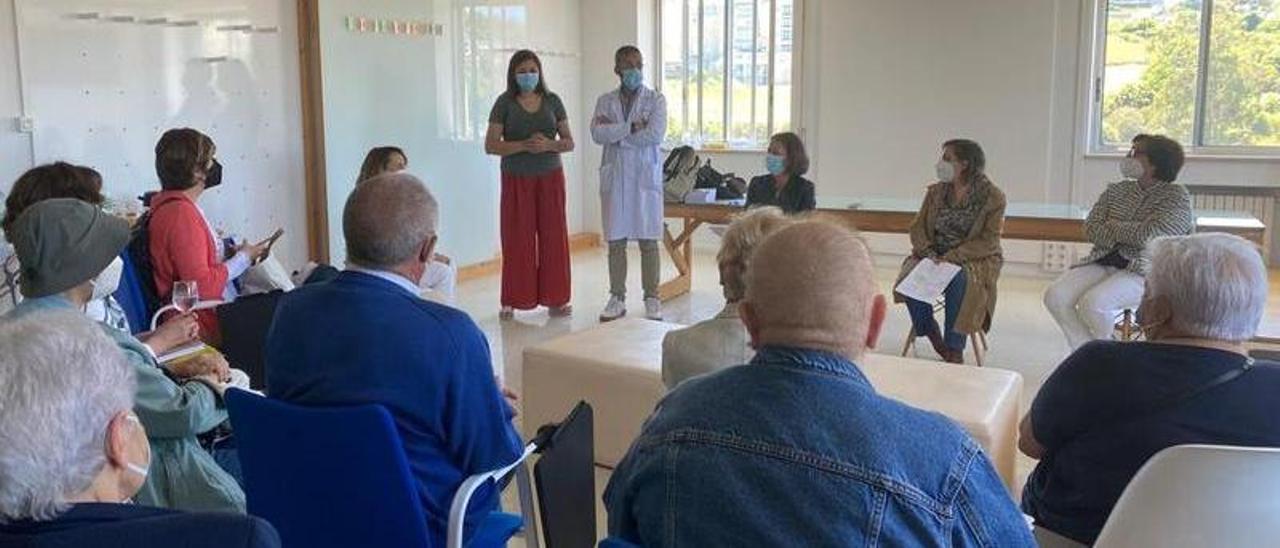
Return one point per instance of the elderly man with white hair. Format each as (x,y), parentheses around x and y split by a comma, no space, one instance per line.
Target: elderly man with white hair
(366,337)
(1112,405)
(72,453)
(796,448)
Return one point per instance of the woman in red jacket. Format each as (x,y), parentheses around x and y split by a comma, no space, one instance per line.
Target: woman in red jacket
(182,243)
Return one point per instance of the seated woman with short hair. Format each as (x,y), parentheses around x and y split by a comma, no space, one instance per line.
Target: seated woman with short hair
(959,222)
(73,454)
(1112,405)
(183,245)
(784,185)
(64,180)
(1147,204)
(722,341)
(441,278)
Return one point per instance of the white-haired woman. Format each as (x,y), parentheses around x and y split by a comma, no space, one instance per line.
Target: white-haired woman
(1112,405)
(72,451)
(722,341)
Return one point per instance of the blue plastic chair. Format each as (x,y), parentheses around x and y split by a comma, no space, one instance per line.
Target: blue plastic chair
(131,297)
(336,476)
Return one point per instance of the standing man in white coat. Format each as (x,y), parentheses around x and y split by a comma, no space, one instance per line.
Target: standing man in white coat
(630,122)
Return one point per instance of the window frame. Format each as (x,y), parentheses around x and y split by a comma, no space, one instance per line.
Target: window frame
(695,109)
(1095,36)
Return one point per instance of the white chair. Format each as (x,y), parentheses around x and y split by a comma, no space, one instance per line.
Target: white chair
(1199,496)
(458,509)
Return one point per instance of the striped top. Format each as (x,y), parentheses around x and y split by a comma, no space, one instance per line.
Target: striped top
(1127,216)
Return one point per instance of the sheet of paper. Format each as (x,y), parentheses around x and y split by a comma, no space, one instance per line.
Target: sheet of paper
(928,280)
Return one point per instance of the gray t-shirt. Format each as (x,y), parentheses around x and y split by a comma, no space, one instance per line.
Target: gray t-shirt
(519,124)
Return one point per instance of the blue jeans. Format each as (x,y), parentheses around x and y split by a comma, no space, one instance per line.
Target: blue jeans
(922,320)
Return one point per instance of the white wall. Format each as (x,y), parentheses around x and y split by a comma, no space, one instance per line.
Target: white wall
(15,147)
(101,92)
(465,180)
(385,89)
(884,83)
(606,25)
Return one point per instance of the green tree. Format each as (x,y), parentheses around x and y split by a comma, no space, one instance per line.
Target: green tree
(1243,87)
(1163,99)
(1244,77)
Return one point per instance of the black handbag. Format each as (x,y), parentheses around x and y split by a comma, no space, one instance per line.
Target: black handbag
(708,177)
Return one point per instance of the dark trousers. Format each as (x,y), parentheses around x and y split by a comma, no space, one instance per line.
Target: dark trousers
(923,322)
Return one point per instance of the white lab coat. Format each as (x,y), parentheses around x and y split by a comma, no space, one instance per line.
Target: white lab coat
(631,166)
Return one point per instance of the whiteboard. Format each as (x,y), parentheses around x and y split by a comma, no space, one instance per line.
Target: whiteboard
(103,80)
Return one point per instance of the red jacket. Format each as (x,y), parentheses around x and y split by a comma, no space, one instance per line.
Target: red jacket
(182,249)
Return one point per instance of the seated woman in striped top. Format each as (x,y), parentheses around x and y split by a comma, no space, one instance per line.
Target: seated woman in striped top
(1130,213)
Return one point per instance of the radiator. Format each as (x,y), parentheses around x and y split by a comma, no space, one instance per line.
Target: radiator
(1258,202)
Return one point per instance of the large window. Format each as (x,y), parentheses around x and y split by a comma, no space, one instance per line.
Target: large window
(725,68)
(1205,72)
(488,30)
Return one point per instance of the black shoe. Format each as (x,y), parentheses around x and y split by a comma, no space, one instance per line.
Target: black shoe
(953,356)
(939,345)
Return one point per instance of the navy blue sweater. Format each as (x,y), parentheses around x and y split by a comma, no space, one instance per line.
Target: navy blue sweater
(361,339)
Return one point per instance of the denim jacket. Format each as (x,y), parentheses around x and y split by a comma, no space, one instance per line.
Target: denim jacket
(797,449)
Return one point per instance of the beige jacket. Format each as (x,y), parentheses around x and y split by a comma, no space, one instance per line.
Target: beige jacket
(705,347)
(980,255)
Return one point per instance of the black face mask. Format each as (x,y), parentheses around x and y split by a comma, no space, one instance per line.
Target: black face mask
(213,177)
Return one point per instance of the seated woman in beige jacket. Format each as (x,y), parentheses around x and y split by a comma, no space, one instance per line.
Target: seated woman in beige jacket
(960,222)
(722,341)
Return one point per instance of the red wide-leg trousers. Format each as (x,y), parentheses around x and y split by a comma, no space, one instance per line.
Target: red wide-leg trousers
(535,241)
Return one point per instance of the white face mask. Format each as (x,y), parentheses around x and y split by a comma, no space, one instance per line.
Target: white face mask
(109,280)
(1131,168)
(140,470)
(946,171)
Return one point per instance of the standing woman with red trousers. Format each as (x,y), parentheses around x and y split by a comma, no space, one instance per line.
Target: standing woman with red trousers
(529,129)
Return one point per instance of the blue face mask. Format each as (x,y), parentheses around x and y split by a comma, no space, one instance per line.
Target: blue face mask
(527,81)
(775,164)
(632,79)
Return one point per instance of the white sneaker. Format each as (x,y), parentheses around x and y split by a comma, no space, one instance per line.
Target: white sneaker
(616,308)
(653,308)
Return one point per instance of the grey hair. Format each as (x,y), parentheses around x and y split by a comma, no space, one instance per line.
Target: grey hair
(740,239)
(386,220)
(1215,284)
(61,381)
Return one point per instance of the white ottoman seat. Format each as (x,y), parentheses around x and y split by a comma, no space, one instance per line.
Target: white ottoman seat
(616,367)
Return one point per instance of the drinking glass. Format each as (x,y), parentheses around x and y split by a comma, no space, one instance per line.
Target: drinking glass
(185,295)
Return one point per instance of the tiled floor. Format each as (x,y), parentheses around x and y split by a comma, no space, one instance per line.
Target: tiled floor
(1023,339)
